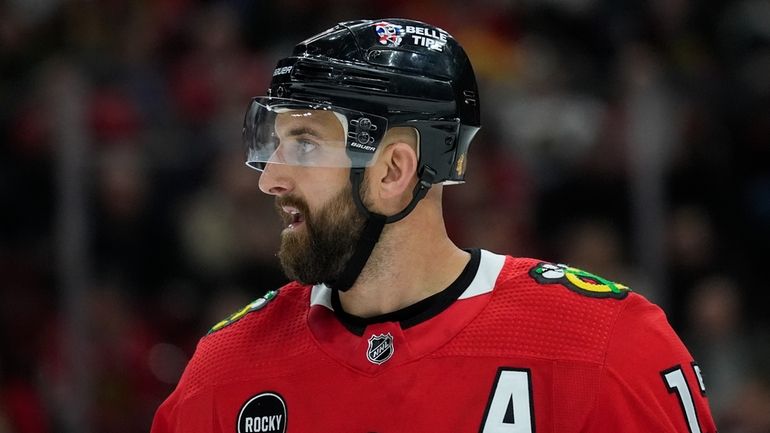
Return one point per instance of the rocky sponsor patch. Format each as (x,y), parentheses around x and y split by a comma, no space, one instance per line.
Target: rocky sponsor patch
(265,412)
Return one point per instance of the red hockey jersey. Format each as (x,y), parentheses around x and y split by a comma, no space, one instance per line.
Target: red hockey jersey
(513,346)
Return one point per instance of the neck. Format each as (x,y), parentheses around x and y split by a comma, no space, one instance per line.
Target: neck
(413,260)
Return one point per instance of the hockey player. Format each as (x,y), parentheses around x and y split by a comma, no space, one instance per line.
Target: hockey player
(389,327)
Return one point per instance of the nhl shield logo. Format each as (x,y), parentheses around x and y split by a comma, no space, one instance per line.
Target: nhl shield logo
(380,348)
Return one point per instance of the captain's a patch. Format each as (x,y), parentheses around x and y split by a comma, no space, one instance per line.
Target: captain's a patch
(579,281)
(257,304)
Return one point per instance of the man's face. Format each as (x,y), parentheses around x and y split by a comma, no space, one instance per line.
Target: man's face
(322,224)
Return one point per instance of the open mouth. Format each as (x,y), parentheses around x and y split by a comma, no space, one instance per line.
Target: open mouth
(293,217)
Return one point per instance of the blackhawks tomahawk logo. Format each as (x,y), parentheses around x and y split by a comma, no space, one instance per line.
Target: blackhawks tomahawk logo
(579,281)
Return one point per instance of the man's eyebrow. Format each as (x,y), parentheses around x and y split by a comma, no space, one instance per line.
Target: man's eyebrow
(303,130)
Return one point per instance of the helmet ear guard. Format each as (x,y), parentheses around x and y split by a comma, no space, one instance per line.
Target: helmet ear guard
(447,162)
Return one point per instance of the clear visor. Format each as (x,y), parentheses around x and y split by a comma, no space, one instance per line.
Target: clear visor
(288,131)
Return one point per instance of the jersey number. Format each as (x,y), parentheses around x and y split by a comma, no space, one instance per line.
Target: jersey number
(510,408)
(676,382)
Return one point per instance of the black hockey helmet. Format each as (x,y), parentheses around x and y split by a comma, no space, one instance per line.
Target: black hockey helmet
(377,74)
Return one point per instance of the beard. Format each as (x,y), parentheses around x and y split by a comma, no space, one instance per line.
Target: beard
(319,252)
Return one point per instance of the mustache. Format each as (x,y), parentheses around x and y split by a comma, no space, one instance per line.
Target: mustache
(292,201)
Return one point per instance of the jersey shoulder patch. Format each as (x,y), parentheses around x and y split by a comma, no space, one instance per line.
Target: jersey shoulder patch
(579,281)
(255,305)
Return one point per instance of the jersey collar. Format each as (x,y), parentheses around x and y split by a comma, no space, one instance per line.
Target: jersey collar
(477,278)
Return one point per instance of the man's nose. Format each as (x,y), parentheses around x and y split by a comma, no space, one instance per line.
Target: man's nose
(275,179)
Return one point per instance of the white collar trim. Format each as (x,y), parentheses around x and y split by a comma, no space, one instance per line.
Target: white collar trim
(490,266)
(321,294)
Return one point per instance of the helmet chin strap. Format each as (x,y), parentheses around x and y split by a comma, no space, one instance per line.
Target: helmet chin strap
(374,224)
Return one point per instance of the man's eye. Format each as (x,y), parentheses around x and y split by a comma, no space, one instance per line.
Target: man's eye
(305,146)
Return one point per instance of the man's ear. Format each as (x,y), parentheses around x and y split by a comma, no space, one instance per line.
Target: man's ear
(398,171)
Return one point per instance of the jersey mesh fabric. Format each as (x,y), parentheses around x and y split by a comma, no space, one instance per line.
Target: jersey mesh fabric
(232,347)
(526,318)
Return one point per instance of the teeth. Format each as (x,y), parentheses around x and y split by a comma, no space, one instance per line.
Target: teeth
(296,215)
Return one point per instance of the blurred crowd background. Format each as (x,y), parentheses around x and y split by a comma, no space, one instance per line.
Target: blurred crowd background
(629,138)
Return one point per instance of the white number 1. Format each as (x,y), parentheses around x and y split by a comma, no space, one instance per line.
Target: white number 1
(676,381)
